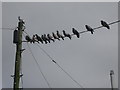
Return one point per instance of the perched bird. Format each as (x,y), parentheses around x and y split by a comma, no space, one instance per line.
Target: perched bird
(104,24)
(50,37)
(39,38)
(47,39)
(55,36)
(21,20)
(33,39)
(66,35)
(89,29)
(59,35)
(28,38)
(75,32)
(44,39)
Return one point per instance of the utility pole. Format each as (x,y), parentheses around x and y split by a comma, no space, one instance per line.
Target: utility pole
(111,79)
(18,41)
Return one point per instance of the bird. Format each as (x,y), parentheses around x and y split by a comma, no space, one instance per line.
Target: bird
(75,32)
(104,24)
(21,20)
(66,35)
(50,37)
(59,35)
(33,39)
(55,36)
(89,29)
(44,39)
(39,38)
(28,38)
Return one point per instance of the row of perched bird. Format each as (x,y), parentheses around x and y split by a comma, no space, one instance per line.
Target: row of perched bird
(47,38)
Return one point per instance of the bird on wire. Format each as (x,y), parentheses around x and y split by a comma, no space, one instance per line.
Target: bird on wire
(50,37)
(28,38)
(55,36)
(43,38)
(47,39)
(104,24)
(89,29)
(34,39)
(66,35)
(39,38)
(59,35)
(75,32)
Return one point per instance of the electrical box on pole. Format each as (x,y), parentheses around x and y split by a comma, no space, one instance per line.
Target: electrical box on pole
(15,36)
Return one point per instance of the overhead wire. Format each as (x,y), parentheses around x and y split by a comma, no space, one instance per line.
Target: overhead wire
(11,29)
(84,31)
(60,67)
(38,66)
(37,62)
(98,27)
(58,64)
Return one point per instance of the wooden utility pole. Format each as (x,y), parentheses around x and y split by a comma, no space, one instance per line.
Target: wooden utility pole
(18,41)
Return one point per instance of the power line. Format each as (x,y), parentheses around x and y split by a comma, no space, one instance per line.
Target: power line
(60,67)
(57,63)
(84,31)
(97,27)
(38,65)
(11,29)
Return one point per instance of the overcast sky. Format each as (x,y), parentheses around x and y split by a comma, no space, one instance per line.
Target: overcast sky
(87,59)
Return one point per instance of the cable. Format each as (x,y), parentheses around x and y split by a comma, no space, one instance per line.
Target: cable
(8,29)
(60,66)
(38,66)
(71,35)
(25,32)
(96,28)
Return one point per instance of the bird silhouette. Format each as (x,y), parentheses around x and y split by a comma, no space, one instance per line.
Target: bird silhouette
(46,38)
(59,35)
(55,36)
(33,39)
(21,20)
(66,35)
(75,32)
(50,37)
(39,38)
(43,38)
(89,29)
(28,38)
(104,24)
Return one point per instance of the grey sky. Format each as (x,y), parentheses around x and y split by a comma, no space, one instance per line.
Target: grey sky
(88,59)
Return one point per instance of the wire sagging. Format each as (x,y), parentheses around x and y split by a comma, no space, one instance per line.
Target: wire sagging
(61,67)
(38,66)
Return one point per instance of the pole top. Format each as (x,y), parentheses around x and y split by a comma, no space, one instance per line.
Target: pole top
(111,72)
(21,20)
